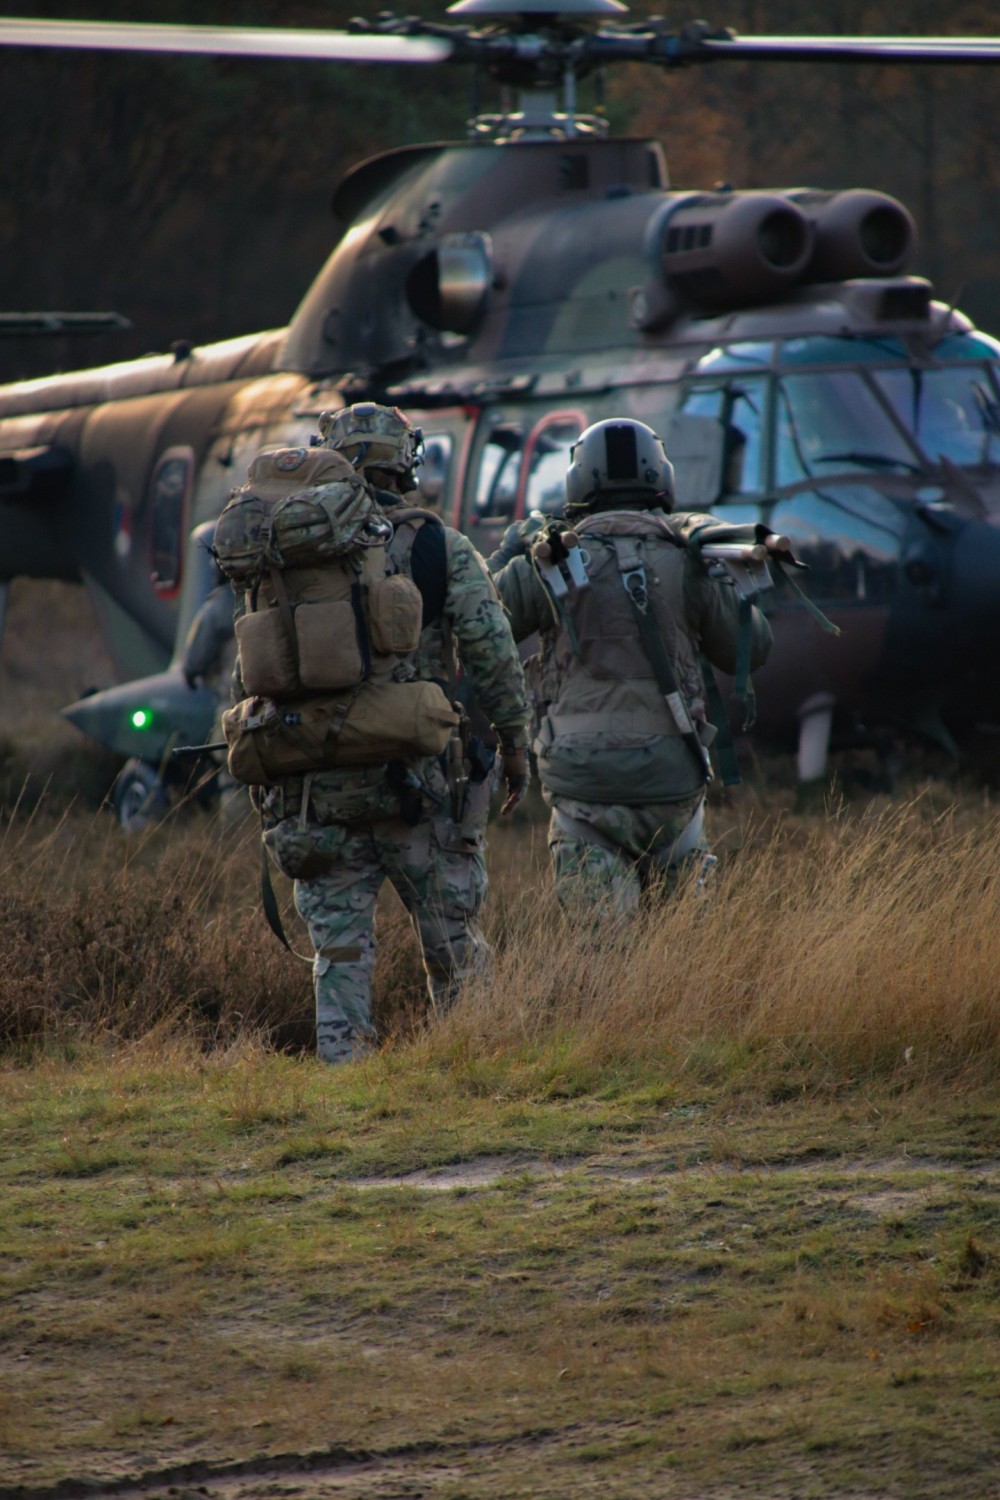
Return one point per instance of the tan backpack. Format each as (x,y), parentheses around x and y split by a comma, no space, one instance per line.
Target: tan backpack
(327,636)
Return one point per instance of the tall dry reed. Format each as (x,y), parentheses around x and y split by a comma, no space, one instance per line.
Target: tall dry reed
(829,949)
(849,948)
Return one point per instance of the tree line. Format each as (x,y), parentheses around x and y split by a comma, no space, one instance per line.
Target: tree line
(192,195)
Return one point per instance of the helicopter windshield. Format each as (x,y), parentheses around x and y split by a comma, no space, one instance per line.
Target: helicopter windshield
(885,413)
(832,422)
(953,413)
(740,406)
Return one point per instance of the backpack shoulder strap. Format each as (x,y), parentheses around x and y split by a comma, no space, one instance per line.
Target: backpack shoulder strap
(421,538)
(632,571)
(400,514)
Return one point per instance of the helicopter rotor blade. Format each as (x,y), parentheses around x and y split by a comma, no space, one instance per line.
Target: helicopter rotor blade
(850,49)
(128,36)
(391,39)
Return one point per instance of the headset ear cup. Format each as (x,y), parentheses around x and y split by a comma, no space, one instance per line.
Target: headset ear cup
(669,492)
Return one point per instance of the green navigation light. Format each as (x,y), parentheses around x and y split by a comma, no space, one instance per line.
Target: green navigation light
(141,718)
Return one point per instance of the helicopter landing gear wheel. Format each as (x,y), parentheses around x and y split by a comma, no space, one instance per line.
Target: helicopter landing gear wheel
(815,725)
(139,797)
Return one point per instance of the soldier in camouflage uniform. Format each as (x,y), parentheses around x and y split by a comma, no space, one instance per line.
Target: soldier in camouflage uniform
(623,736)
(421,825)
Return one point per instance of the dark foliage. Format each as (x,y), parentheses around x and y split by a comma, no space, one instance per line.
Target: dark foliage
(192,195)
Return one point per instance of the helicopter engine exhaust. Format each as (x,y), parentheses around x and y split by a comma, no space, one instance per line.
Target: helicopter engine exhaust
(726,250)
(723,247)
(722,250)
(858,233)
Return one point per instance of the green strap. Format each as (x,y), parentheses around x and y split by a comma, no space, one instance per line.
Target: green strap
(724,746)
(269,900)
(286,613)
(634,582)
(743,688)
(788,582)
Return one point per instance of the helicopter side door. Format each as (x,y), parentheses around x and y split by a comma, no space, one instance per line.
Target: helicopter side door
(546,459)
(518,466)
(740,408)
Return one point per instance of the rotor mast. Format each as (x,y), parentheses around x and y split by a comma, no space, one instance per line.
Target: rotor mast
(537,50)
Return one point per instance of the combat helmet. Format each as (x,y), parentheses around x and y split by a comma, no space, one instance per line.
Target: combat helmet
(618,465)
(375,437)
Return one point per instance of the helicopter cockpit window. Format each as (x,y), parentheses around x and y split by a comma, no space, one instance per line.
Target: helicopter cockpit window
(952,413)
(976,345)
(840,351)
(740,406)
(168,493)
(499,475)
(736,357)
(832,423)
(546,483)
(433,472)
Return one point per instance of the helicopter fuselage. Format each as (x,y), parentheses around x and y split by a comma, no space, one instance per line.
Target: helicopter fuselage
(506,297)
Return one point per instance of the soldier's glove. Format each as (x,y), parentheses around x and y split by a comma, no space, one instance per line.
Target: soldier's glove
(552,547)
(514,542)
(514,768)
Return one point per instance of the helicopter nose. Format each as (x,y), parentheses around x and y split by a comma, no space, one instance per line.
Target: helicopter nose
(943,639)
(967,645)
(146,718)
(975,588)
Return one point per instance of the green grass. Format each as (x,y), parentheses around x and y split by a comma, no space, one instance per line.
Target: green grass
(200,1263)
(704,1207)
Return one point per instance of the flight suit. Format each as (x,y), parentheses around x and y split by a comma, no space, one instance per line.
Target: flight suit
(625,786)
(339,834)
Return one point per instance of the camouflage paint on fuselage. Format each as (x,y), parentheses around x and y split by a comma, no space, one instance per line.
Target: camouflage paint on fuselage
(506,296)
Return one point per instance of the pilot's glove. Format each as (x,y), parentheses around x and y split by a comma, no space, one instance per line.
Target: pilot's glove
(516,776)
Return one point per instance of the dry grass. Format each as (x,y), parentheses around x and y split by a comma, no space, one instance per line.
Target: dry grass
(856,942)
(830,951)
(834,949)
(738,1233)
(101,939)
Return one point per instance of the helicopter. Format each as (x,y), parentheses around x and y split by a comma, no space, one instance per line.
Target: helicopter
(508,290)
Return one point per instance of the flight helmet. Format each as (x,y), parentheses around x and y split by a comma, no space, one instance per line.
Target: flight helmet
(619,464)
(375,437)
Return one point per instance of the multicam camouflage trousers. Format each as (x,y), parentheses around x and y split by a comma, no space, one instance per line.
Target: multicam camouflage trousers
(605,857)
(439,872)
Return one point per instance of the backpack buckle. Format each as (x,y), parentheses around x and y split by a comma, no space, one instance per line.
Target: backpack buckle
(634,581)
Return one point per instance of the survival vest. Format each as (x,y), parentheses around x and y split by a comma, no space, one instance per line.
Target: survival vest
(626,668)
(328,632)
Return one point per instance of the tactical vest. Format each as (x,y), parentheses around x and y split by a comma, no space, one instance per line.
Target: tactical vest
(606,703)
(325,643)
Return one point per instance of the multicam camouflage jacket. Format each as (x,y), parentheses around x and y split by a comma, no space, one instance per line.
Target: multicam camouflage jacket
(472,625)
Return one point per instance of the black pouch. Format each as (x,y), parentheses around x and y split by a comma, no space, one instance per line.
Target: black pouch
(481,758)
(402,781)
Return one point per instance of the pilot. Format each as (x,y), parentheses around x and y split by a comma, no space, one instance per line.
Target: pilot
(622,746)
(423,830)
